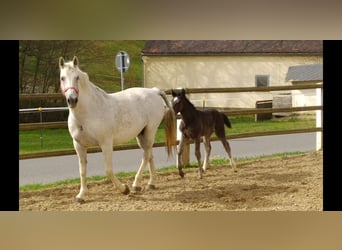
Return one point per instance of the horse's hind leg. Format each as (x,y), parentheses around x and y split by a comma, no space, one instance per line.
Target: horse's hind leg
(228,150)
(145,142)
(145,159)
(152,173)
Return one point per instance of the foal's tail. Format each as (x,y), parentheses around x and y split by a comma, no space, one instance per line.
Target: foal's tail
(170,125)
(226,120)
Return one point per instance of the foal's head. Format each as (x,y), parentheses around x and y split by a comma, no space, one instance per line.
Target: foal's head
(179,99)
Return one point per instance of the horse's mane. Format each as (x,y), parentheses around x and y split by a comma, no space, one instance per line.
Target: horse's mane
(85,77)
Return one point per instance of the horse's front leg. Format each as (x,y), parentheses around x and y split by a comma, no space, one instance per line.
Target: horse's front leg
(107,150)
(82,163)
(198,156)
(180,148)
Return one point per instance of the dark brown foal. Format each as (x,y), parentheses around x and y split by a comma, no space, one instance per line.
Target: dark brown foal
(197,124)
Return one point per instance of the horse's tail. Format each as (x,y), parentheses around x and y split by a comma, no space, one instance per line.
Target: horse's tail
(226,120)
(170,125)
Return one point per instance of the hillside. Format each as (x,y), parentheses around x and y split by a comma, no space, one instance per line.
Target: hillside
(38,63)
(100,65)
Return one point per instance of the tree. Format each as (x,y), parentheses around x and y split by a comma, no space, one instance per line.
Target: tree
(38,64)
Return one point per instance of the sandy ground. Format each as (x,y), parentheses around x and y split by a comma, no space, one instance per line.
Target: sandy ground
(291,183)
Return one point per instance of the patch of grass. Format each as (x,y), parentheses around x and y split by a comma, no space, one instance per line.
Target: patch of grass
(44,140)
(48,140)
(247,124)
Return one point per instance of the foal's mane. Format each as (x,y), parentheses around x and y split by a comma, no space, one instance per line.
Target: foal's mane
(190,103)
(191,113)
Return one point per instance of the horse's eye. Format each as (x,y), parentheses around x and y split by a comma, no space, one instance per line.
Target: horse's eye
(62,78)
(77,78)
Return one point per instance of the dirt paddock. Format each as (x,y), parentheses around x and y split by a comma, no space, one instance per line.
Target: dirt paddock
(291,183)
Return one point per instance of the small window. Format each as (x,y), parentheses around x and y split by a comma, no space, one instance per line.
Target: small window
(262,80)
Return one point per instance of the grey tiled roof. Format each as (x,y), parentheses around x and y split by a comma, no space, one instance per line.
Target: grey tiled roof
(232,47)
(310,72)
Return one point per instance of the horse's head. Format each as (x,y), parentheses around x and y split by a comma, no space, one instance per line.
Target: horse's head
(69,80)
(178,99)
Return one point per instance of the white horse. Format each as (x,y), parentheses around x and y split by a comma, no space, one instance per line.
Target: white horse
(99,118)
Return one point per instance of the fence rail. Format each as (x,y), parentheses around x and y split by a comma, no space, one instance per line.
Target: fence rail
(248,89)
(44,96)
(249,111)
(64,124)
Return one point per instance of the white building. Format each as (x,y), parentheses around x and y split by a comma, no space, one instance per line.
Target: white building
(226,63)
(304,74)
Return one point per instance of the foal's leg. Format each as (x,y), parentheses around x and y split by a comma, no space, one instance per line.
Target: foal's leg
(82,163)
(180,148)
(107,150)
(221,134)
(228,150)
(206,141)
(198,156)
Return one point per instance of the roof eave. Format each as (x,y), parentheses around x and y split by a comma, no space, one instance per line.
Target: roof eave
(235,54)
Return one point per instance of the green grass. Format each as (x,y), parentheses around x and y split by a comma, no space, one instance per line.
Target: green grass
(215,162)
(47,140)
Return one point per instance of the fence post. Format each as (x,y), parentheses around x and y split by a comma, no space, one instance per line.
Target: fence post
(40,109)
(319,135)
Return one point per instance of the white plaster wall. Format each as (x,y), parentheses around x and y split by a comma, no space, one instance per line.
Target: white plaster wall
(168,72)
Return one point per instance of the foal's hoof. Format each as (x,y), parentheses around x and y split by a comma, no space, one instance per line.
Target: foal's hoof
(151,187)
(126,191)
(200,173)
(136,189)
(181,173)
(80,200)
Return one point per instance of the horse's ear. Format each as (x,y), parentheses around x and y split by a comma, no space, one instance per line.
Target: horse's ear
(61,62)
(183,92)
(75,61)
(173,93)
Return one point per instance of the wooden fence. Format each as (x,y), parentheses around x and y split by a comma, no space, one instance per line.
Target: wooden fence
(318,128)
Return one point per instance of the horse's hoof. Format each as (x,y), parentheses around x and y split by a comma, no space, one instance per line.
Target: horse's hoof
(181,173)
(126,191)
(151,187)
(79,200)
